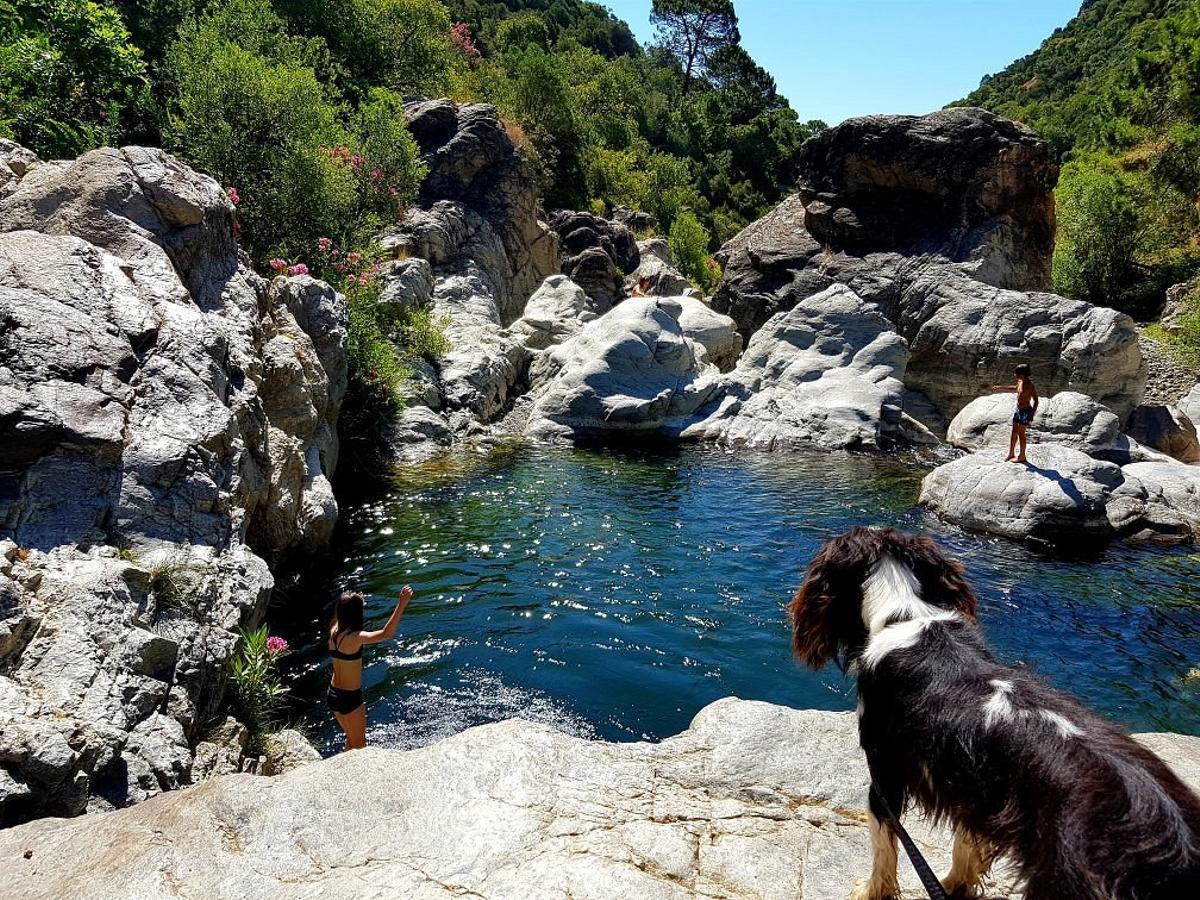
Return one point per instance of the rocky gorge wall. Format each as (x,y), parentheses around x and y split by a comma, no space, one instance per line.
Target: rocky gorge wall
(168,427)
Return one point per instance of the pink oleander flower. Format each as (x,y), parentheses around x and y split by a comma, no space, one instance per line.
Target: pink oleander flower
(460,35)
(712,264)
(276,644)
(335,252)
(237,229)
(353,257)
(377,174)
(298,269)
(341,267)
(350,279)
(324,244)
(277,264)
(232,194)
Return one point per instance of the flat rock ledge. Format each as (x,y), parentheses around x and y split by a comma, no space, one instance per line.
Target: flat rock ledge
(753,800)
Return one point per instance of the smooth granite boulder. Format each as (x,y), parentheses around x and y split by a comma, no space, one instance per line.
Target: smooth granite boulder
(1060,495)
(714,332)
(658,267)
(825,374)
(752,801)
(1067,418)
(1165,429)
(632,371)
(556,311)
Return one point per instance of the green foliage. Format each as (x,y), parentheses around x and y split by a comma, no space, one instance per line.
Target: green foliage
(258,690)
(689,242)
(1100,236)
(70,78)
(1117,91)
(252,109)
(403,45)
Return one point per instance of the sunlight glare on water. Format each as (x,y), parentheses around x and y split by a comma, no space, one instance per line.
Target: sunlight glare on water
(614,594)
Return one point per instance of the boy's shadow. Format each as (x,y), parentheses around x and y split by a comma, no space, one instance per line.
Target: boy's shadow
(1066,485)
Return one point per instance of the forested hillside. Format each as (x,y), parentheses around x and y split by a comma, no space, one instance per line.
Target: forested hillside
(1117,91)
(295,104)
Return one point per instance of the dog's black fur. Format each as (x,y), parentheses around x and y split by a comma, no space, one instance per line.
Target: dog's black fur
(1092,814)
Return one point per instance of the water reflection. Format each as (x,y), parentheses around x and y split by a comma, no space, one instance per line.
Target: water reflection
(614,594)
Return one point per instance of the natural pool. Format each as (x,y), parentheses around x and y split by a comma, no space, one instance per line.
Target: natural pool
(613,594)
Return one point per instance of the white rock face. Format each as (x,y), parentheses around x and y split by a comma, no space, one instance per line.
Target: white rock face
(827,374)
(753,801)
(159,397)
(713,331)
(1068,418)
(630,371)
(1064,495)
(1061,493)
(1189,405)
(556,311)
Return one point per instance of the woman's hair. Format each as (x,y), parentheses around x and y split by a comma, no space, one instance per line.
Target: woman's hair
(1022,371)
(347,614)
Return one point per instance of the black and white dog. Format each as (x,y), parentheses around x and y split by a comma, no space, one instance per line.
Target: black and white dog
(1017,768)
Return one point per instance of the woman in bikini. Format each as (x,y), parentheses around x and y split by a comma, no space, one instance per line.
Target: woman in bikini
(346,640)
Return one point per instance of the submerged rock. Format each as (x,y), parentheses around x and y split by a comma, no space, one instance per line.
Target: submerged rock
(752,801)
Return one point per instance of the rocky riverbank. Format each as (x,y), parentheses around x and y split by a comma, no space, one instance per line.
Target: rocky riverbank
(168,429)
(753,800)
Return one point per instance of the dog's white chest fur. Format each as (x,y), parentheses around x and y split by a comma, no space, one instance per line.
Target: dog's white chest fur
(892,594)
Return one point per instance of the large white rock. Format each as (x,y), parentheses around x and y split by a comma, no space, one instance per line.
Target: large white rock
(632,371)
(1166,429)
(556,311)
(156,396)
(1060,494)
(1068,418)
(713,331)
(1189,405)
(827,374)
(753,801)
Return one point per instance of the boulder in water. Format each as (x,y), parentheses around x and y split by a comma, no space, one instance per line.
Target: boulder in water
(632,371)
(825,374)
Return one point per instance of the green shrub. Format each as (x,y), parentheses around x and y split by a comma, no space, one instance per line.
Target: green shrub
(70,78)
(252,109)
(1100,237)
(689,242)
(258,690)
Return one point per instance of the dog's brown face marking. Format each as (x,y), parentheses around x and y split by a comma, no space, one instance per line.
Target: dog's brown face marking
(826,612)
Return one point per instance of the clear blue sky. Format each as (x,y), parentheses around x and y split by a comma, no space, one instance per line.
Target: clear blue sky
(839,58)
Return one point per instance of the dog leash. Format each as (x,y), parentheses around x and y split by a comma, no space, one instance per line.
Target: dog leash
(933,887)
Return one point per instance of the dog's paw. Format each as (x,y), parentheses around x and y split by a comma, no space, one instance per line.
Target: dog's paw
(872,890)
(961,890)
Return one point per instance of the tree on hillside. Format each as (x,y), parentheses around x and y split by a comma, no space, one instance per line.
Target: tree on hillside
(694,30)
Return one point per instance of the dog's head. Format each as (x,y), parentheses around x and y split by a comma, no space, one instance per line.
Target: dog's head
(827,612)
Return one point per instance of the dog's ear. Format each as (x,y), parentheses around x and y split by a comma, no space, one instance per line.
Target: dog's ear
(941,578)
(814,608)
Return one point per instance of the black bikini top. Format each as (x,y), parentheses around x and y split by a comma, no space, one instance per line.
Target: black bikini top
(338,654)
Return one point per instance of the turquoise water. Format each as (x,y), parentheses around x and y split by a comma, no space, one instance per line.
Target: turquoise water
(614,594)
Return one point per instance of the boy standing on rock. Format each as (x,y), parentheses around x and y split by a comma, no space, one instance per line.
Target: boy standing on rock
(1027,404)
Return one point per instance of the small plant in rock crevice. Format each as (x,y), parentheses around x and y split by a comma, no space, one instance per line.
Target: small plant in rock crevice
(258,690)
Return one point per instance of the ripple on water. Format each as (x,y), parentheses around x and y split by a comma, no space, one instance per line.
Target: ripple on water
(615,594)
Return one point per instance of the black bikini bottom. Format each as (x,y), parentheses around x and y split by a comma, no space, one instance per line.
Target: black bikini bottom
(342,701)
